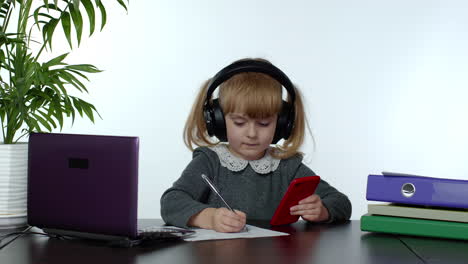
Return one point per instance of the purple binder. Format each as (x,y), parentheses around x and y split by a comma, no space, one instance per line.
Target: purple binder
(419,190)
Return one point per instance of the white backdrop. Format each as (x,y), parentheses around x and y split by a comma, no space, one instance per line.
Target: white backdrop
(385,82)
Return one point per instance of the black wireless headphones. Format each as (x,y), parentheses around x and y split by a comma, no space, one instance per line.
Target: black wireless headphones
(214,116)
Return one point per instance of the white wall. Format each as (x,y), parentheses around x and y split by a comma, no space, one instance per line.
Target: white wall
(385,82)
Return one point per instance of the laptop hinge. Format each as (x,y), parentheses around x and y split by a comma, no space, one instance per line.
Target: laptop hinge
(83,234)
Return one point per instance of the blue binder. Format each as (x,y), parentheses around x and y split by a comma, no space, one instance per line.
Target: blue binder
(420,190)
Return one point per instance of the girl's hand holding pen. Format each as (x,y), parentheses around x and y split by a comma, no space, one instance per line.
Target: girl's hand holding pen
(227,221)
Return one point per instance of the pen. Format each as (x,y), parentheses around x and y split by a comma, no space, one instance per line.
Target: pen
(215,190)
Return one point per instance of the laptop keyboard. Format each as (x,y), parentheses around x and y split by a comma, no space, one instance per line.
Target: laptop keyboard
(163,233)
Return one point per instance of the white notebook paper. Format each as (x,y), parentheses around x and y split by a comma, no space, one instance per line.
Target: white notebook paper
(253,231)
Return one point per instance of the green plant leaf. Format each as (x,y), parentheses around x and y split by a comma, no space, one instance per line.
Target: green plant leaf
(36,103)
(33,124)
(51,93)
(55,61)
(87,109)
(77,21)
(67,27)
(12,116)
(103,13)
(77,105)
(95,110)
(10,38)
(73,81)
(39,97)
(19,123)
(79,74)
(5,6)
(57,82)
(58,114)
(84,68)
(88,5)
(42,121)
(50,31)
(47,118)
(122,3)
(37,13)
(2,57)
(2,115)
(70,110)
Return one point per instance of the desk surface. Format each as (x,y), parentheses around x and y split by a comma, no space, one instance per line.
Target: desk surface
(308,243)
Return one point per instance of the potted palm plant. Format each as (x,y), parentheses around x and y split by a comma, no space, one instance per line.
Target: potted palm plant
(34,92)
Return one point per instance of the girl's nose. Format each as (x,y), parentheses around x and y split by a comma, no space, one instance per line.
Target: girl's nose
(251,130)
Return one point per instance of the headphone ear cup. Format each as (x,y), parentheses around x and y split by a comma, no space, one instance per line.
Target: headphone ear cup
(209,120)
(219,123)
(285,122)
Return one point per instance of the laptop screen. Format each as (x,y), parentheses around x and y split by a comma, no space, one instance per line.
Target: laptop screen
(83,183)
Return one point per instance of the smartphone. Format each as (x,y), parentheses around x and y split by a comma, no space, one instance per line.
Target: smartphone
(298,189)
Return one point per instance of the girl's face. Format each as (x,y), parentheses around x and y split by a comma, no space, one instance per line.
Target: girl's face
(249,138)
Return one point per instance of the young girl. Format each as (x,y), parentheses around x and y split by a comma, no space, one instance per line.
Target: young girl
(237,136)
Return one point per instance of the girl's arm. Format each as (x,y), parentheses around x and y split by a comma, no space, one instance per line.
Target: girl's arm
(336,203)
(184,204)
(187,195)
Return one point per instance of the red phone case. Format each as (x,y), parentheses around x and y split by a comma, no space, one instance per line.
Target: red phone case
(298,189)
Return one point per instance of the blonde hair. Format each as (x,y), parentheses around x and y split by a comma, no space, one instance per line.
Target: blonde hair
(258,96)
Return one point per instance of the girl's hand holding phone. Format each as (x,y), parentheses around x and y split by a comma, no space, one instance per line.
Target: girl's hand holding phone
(311,209)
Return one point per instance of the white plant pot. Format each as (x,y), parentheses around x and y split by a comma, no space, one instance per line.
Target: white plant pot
(13,185)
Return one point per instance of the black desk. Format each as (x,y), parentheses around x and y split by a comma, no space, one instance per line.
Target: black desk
(308,243)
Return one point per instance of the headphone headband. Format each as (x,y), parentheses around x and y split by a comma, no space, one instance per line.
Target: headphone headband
(250,66)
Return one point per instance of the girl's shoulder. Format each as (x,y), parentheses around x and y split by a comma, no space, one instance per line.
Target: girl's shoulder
(204,157)
(292,163)
(277,152)
(205,151)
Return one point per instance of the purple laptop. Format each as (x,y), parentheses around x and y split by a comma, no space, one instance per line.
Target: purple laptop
(83,184)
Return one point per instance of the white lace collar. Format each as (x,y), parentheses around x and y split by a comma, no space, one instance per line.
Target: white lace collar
(264,165)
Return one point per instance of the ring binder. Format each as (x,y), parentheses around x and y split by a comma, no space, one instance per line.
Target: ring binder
(420,190)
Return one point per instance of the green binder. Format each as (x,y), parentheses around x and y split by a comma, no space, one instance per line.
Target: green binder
(413,226)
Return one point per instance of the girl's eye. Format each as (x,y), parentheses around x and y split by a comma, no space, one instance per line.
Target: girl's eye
(264,124)
(239,123)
